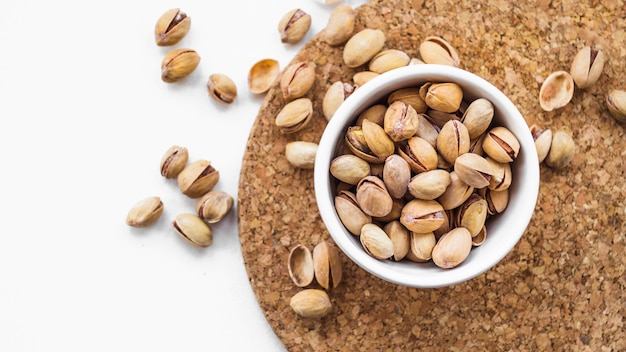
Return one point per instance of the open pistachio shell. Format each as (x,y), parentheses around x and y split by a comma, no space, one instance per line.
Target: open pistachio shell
(300,266)
(436,50)
(327,265)
(422,216)
(616,103)
(171,27)
(472,214)
(262,75)
(556,91)
(587,66)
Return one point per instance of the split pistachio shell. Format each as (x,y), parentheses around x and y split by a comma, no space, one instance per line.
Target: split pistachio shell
(400,236)
(193,230)
(444,97)
(214,205)
(616,103)
(362,77)
(561,151)
(452,248)
(430,184)
(543,140)
(422,216)
(421,246)
(174,161)
(334,97)
(436,50)
(300,266)
(456,193)
(311,303)
(501,144)
(496,200)
(301,154)
(197,178)
(145,212)
(294,116)
(396,175)
(222,88)
(400,121)
(362,46)
(262,75)
(474,170)
(293,26)
(349,168)
(556,91)
(373,197)
(409,96)
(378,141)
(387,60)
(453,140)
(178,64)
(297,80)
(480,237)
(420,155)
(477,117)
(376,242)
(171,27)
(355,140)
(340,25)
(587,67)
(327,265)
(472,214)
(349,212)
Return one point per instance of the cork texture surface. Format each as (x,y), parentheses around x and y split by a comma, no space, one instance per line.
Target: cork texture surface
(563,286)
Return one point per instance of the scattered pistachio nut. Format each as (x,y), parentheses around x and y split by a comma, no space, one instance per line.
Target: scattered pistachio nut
(616,103)
(556,91)
(301,154)
(293,26)
(171,27)
(297,80)
(587,67)
(340,26)
(327,265)
(294,116)
(436,50)
(193,230)
(362,46)
(222,88)
(174,161)
(311,303)
(145,212)
(178,64)
(562,150)
(197,178)
(213,206)
(262,75)
(300,265)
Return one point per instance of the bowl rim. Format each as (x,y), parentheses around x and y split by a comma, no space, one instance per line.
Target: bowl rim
(375,89)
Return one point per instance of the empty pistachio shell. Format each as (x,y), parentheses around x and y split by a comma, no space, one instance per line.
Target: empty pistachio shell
(197,178)
(452,248)
(300,266)
(480,237)
(399,235)
(214,205)
(396,175)
(311,303)
(543,140)
(501,144)
(145,212)
(193,230)
(174,161)
(422,216)
(430,184)
(293,26)
(171,27)
(222,88)
(334,97)
(376,242)
(294,116)
(436,50)
(349,212)
(373,197)
(327,265)
(362,46)
(262,75)
(179,64)
(616,103)
(387,60)
(340,26)
(349,168)
(301,154)
(556,91)
(561,151)
(587,66)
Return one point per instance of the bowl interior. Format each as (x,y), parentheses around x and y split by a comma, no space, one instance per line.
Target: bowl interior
(503,230)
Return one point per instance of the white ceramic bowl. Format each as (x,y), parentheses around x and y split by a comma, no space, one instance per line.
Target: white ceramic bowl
(503,230)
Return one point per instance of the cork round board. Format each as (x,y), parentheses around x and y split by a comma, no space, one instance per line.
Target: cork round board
(562,288)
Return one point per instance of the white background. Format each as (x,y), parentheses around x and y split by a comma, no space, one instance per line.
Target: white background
(85,120)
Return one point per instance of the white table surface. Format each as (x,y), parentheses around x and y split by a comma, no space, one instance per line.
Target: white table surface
(85,120)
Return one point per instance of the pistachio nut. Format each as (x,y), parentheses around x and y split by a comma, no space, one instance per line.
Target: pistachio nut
(587,66)
(422,216)
(502,176)
(410,96)
(496,200)
(420,155)
(472,214)
(556,91)
(561,151)
(171,27)
(436,50)
(178,64)
(340,25)
(145,212)
(362,77)
(427,130)
(222,88)
(378,141)
(616,103)
(421,247)
(474,170)
(375,113)
(213,206)
(373,197)
(477,117)
(376,242)
(399,236)
(327,265)
(452,248)
(294,116)
(543,140)
(311,303)
(174,161)
(453,140)
(430,184)
(300,265)
(193,230)
(396,175)
(197,178)
(355,140)
(349,168)
(297,80)
(334,97)
(501,144)
(400,121)
(456,193)
(301,154)
(444,97)
(387,60)
(349,212)
(293,26)
(262,75)
(362,46)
